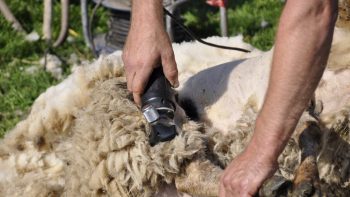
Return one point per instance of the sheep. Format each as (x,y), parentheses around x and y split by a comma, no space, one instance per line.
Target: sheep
(37,155)
(344,14)
(85,136)
(241,84)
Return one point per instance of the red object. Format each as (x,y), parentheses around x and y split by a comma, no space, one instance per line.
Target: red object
(217,3)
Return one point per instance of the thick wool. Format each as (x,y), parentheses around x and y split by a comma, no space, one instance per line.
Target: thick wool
(333,160)
(193,57)
(109,149)
(43,154)
(93,147)
(28,154)
(85,137)
(344,14)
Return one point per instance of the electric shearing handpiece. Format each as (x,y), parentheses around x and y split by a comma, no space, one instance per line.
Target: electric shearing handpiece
(158,108)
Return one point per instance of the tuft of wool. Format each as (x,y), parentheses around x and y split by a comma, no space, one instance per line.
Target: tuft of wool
(85,137)
(109,149)
(85,133)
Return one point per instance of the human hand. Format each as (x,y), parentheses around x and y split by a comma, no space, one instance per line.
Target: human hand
(147,47)
(246,174)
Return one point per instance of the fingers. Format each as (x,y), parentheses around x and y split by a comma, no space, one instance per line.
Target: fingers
(129,79)
(142,53)
(139,82)
(226,189)
(129,69)
(170,68)
(137,98)
(245,175)
(222,191)
(137,75)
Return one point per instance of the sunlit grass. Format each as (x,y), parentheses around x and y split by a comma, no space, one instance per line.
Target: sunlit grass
(18,88)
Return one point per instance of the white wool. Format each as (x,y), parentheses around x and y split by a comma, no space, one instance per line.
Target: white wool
(340,56)
(35,156)
(232,85)
(221,93)
(334,91)
(51,115)
(192,57)
(229,86)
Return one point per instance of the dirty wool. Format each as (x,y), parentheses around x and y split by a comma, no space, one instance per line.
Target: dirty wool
(86,137)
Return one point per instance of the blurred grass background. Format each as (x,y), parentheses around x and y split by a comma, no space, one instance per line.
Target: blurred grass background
(255,19)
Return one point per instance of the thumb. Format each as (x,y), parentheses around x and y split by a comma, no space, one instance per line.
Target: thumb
(170,68)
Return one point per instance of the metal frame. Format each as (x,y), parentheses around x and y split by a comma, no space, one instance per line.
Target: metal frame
(170,5)
(171,8)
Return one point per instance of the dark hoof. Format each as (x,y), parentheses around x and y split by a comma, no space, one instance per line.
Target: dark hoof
(275,186)
(306,189)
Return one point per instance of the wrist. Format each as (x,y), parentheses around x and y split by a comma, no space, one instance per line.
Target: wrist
(147,12)
(261,154)
(266,143)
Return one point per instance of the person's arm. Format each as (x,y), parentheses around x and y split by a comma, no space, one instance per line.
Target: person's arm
(302,47)
(147,46)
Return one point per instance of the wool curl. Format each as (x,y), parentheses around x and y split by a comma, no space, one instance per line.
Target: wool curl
(111,139)
(97,147)
(85,137)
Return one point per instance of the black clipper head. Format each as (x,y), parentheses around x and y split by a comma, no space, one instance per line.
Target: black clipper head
(158,108)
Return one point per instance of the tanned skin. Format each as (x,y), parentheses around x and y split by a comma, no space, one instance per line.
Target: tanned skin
(301,51)
(147,46)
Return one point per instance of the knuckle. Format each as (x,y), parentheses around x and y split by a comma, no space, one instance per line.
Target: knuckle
(130,62)
(129,86)
(137,91)
(126,58)
(242,185)
(226,181)
(129,75)
(129,89)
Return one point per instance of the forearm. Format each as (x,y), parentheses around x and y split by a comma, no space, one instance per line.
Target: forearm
(147,13)
(301,52)
(147,47)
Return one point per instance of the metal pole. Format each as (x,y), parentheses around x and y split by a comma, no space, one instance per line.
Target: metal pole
(168,25)
(85,23)
(168,21)
(47,20)
(223,21)
(4,9)
(64,23)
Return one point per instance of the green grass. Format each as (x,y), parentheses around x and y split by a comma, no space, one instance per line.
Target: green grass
(17,92)
(244,17)
(18,89)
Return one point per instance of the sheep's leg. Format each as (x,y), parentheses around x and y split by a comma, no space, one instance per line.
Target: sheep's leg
(276,186)
(201,178)
(306,181)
